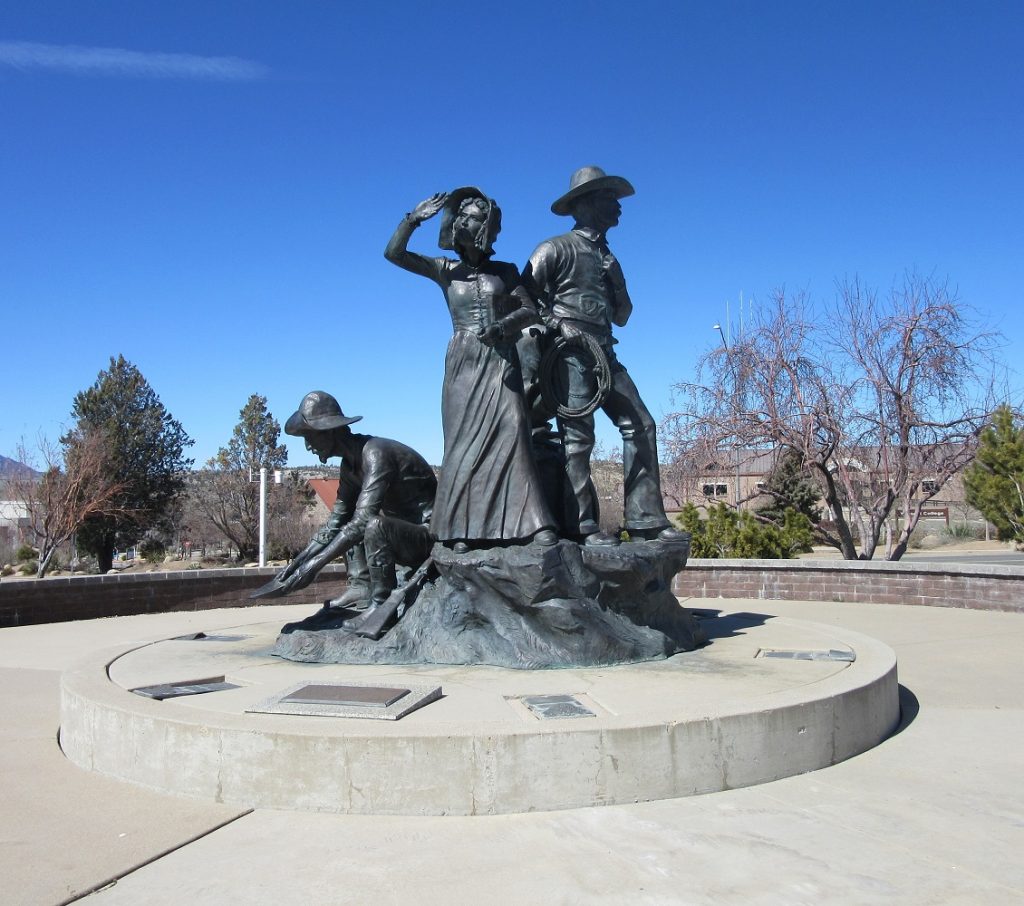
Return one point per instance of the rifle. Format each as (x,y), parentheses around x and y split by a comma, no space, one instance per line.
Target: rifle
(370,625)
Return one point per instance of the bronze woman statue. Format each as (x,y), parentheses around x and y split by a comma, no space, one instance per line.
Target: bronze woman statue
(488,489)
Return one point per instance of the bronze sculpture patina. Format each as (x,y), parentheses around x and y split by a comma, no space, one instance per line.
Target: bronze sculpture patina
(581,292)
(385,500)
(482,594)
(489,489)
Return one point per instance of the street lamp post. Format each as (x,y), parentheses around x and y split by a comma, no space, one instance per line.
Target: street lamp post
(263,516)
(735,407)
(263,509)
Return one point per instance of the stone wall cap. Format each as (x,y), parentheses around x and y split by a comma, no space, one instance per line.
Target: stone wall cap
(810,565)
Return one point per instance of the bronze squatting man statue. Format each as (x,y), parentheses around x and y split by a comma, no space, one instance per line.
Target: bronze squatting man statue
(385,500)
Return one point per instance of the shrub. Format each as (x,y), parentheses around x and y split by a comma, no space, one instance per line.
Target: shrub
(152,551)
(731,534)
(918,541)
(278,550)
(86,564)
(961,531)
(24,553)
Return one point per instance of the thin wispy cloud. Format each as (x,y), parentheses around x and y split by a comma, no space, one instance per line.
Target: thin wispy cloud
(114,61)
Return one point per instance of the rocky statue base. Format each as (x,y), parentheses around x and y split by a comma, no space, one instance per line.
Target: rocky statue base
(523,607)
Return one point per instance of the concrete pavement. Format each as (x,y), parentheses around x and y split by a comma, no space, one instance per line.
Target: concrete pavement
(933,815)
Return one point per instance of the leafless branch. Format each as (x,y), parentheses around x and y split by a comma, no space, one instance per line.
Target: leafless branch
(874,395)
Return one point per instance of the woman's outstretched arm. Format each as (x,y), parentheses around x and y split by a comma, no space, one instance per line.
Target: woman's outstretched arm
(397,251)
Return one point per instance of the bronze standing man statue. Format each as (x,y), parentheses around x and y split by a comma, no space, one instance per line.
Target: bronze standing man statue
(580,289)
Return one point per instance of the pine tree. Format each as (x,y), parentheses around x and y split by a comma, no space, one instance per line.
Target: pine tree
(790,489)
(227,491)
(994,482)
(145,455)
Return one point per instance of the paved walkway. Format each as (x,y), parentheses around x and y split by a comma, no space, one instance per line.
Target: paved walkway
(933,815)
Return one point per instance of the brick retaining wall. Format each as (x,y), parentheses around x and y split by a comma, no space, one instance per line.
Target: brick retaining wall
(981,587)
(62,598)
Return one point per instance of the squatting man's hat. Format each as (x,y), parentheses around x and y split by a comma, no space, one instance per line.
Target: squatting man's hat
(591,179)
(318,411)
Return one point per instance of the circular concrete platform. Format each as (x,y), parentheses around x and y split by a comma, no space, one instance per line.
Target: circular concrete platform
(768,698)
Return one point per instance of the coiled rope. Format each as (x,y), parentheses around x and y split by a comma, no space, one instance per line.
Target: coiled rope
(546,376)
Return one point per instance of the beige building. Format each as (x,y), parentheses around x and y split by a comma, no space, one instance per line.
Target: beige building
(739,477)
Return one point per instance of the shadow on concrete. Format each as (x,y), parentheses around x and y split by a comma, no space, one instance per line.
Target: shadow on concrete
(909,709)
(716,626)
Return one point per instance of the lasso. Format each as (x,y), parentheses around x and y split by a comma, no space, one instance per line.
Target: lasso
(602,373)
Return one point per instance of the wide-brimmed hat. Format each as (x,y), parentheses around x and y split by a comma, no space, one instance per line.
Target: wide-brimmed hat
(318,411)
(591,179)
(450,210)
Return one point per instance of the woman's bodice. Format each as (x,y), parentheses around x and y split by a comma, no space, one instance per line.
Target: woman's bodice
(478,298)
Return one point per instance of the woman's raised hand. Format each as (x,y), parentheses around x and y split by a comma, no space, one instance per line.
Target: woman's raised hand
(429,207)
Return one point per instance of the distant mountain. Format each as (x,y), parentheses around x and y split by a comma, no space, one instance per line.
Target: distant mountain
(11,468)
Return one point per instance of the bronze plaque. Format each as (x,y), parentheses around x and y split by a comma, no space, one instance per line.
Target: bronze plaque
(364,701)
(556,707)
(203,637)
(352,696)
(186,687)
(833,654)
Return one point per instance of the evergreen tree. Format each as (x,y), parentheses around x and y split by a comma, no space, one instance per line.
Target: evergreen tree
(145,455)
(790,488)
(994,482)
(253,443)
(227,491)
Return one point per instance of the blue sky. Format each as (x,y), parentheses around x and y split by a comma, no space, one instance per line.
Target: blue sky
(207,187)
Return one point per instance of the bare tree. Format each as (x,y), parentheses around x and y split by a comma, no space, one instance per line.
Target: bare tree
(226,492)
(882,399)
(59,501)
(290,520)
(606,473)
(222,504)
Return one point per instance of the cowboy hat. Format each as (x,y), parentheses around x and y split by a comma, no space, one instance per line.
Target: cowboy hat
(591,179)
(318,411)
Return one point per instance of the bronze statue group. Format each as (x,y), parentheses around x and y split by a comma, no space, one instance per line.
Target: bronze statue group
(526,347)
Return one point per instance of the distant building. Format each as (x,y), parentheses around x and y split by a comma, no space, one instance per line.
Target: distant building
(13,514)
(704,486)
(325,493)
(13,522)
(739,477)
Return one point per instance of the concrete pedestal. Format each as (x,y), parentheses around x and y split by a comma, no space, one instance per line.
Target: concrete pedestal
(722,717)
